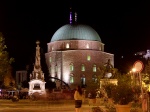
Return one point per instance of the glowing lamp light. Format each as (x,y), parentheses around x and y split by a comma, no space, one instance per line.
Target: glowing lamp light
(133,69)
(108,75)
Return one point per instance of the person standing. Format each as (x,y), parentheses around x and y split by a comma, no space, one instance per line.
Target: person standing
(78,97)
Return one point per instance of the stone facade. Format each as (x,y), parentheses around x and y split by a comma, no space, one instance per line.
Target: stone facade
(63,54)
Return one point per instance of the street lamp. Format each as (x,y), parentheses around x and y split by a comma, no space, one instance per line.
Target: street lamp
(134,75)
(133,69)
(148,101)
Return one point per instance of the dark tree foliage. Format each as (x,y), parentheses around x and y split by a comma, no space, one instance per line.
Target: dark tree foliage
(147,72)
(5,60)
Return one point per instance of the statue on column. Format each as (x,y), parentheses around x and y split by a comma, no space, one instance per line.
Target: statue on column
(37,75)
(37,66)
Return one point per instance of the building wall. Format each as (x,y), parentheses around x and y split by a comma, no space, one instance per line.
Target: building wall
(75,44)
(20,77)
(61,58)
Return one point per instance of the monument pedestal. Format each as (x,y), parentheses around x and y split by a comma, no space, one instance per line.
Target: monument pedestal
(37,86)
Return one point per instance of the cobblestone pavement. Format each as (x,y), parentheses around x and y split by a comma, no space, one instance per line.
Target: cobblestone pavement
(40,106)
(46,106)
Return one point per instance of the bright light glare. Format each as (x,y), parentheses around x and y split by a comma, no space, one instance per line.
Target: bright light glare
(133,69)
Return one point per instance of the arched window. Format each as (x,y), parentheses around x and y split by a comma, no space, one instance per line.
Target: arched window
(52,48)
(36,86)
(100,48)
(67,45)
(71,67)
(83,80)
(71,78)
(88,57)
(94,68)
(94,78)
(87,45)
(50,59)
(82,67)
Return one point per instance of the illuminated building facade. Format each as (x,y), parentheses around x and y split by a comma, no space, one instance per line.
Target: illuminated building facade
(74,54)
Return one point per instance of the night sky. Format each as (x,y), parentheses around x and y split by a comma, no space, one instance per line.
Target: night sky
(124,27)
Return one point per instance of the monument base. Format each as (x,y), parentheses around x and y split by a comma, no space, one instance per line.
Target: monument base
(37,86)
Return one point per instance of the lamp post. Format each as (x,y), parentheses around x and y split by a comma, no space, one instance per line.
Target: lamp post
(134,76)
(139,67)
(148,101)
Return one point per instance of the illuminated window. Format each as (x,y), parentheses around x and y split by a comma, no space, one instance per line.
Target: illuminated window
(52,48)
(100,48)
(71,67)
(94,68)
(82,67)
(87,45)
(94,78)
(83,80)
(50,59)
(88,58)
(67,45)
(71,78)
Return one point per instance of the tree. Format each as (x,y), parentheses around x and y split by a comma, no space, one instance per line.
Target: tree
(146,76)
(8,79)
(5,60)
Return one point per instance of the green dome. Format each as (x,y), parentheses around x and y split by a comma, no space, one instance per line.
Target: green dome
(75,32)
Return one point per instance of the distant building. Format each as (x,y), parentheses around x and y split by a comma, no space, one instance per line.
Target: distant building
(20,77)
(75,53)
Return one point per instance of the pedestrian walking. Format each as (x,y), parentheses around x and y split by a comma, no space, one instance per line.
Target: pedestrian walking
(78,97)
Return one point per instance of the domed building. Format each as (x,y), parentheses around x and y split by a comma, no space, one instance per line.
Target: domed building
(74,54)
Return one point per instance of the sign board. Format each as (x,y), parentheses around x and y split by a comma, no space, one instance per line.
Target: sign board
(138,65)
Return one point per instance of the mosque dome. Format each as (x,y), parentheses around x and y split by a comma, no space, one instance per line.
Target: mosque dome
(75,32)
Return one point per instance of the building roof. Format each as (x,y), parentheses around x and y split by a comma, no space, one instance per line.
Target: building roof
(75,32)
